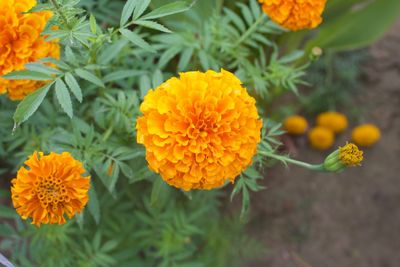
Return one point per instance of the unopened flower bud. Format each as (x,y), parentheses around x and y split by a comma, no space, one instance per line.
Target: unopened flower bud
(343,157)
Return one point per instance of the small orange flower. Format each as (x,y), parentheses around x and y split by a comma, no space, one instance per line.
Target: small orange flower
(20,43)
(366,135)
(199,130)
(49,188)
(321,138)
(295,125)
(335,121)
(295,14)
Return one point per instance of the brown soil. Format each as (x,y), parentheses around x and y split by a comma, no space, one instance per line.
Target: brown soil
(350,219)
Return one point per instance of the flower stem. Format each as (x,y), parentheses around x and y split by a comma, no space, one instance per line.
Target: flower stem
(249,31)
(313,167)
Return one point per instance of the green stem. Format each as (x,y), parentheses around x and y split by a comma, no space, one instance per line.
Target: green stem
(58,9)
(249,31)
(313,167)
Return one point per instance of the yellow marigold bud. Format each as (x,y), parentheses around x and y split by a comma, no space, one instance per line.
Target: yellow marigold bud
(21,42)
(295,125)
(321,138)
(199,130)
(335,121)
(366,135)
(52,186)
(346,156)
(295,14)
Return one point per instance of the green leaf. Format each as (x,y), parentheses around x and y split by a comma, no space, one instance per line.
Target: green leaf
(185,58)
(74,86)
(141,6)
(144,85)
(127,11)
(6,212)
(136,39)
(152,25)
(42,68)
(93,24)
(168,9)
(27,75)
(86,75)
(159,186)
(158,78)
(93,204)
(64,98)
(122,74)
(357,28)
(30,104)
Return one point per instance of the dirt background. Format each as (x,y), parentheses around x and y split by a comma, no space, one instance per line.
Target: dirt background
(350,219)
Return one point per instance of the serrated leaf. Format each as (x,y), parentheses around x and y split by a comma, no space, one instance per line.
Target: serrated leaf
(64,98)
(141,6)
(74,86)
(152,25)
(30,104)
(86,75)
(168,9)
(27,75)
(127,11)
(42,68)
(136,39)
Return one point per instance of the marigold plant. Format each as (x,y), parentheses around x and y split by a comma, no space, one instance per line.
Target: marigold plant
(321,138)
(199,130)
(366,135)
(51,187)
(295,14)
(335,121)
(295,125)
(20,43)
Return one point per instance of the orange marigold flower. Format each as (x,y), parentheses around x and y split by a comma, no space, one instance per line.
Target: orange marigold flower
(199,130)
(295,14)
(321,138)
(295,125)
(366,135)
(20,43)
(335,121)
(49,188)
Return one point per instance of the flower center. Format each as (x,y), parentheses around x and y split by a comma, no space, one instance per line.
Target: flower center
(350,155)
(51,192)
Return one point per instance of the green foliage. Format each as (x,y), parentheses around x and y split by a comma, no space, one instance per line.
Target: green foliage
(113,53)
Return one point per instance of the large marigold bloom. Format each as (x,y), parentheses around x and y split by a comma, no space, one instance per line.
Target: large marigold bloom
(295,14)
(21,42)
(199,130)
(52,186)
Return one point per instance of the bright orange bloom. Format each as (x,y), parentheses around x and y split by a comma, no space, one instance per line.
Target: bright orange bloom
(49,188)
(321,138)
(295,14)
(335,121)
(20,43)
(295,125)
(199,130)
(366,135)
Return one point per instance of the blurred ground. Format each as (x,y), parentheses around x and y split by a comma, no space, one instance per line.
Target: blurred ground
(341,220)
